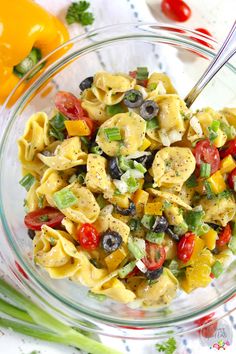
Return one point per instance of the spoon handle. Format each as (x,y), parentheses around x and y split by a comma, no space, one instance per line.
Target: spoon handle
(227,50)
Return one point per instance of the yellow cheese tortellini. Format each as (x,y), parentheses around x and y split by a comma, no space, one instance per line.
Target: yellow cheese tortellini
(170,197)
(219,211)
(110,88)
(86,208)
(97,179)
(67,154)
(107,221)
(132,128)
(172,166)
(95,108)
(32,200)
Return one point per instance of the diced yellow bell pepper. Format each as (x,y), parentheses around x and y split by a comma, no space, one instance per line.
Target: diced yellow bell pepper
(140,198)
(77,128)
(227,164)
(221,139)
(210,239)
(122,200)
(154,208)
(217,182)
(146,143)
(114,259)
(123,218)
(196,277)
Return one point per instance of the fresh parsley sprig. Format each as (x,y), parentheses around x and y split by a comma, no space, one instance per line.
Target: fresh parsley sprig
(77,12)
(168,347)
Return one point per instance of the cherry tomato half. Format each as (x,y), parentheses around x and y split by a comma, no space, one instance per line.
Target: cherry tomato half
(205,152)
(176,10)
(155,256)
(224,236)
(47,216)
(185,247)
(231,178)
(69,105)
(230,149)
(204,31)
(88,237)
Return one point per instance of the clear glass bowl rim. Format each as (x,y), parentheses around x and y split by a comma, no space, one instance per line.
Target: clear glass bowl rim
(179,35)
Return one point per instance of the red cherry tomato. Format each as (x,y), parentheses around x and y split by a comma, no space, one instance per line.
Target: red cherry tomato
(134,272)
(155,256)
(205,152)
(176,10)
(224,236)
(88,237)
(69,105)
(47,216)
(230,149)
(204,31)
(185,247)
(231,178)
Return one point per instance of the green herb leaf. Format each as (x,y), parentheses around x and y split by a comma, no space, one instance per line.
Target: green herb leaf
(167,347)
(191,181)
(27,181)
(64,198)
(77,13)
(57,126)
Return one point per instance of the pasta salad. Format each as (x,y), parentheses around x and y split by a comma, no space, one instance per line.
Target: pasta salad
(130,193)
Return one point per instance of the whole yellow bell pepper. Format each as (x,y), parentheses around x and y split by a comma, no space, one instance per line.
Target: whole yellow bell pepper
(27,33)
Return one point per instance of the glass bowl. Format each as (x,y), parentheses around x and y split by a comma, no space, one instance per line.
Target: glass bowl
(182,55)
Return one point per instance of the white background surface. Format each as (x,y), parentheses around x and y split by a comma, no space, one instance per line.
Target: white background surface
(215,15)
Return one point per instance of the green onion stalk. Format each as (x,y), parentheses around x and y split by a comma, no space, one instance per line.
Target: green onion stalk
(29,319)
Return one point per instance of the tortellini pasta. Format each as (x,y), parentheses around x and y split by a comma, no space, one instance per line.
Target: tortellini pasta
(107,221)
(110,89)
(219,211)
(66,155)
(95,108)
(172,166)
(133,134)
(116,290)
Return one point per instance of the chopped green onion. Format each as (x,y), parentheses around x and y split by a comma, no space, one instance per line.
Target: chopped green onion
(81,177)
(137,247)
(84,143)
(64,198)
(134,224)
(27,181)
(210,194)
(113,134)
(101,201)
(98,297)
(152,86)
(174,268)
(215,125)
(152,123)
(148,221)
(205,170)
(96,150)
(72,178)
(138,166)
(132,184)
(123,272)
(155,237)
(212,134)
(180,229)
(57,126)
(194,219)
(217,269)
(202,229)
(142,73)
(229,130)
(125,164)
(191,181)
(115,109)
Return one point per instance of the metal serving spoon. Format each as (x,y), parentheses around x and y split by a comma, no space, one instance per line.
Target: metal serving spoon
(227,50)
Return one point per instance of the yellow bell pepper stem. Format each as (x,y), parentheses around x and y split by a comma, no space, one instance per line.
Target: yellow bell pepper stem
(24,25)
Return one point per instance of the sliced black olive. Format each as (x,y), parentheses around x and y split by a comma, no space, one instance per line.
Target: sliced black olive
(114,169)
(149,109)
(215,251)
(111,240)
(154,274)
(31,234)
(130,211)
(133,98)
(171,233)
(160,224)
(86,83)
(214,226)
(146,160)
